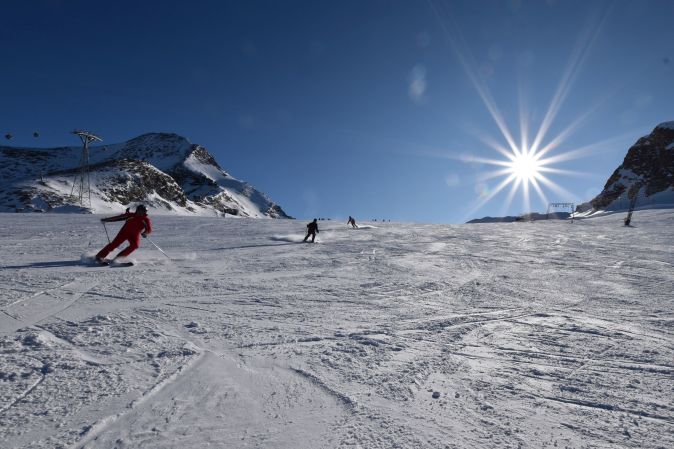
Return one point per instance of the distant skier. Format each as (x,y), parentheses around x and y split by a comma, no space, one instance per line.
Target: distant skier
(352,222)
(312,230)
(137,224)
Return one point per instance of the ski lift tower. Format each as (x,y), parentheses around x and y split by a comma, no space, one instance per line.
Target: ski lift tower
(571,207)
(81,182)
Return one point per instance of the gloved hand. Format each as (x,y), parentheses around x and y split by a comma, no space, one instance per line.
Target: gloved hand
(144,234)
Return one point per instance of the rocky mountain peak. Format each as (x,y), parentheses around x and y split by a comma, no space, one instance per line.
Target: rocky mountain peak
(647,170)
(160,149)
(667,126)
(202,155)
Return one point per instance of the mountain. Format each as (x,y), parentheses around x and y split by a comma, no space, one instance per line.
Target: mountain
(531,216)
(645,178)
(164,171)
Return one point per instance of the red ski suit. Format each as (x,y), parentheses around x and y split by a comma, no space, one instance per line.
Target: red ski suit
(134,226)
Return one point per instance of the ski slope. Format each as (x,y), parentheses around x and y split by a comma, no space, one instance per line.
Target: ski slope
(508,335)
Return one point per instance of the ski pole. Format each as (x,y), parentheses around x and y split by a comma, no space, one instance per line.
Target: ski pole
(106,231)
(160,250)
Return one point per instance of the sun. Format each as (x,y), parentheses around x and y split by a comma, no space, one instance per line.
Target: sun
(525,166)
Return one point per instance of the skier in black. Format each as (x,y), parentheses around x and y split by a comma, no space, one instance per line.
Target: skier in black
(352,222)
(312,230)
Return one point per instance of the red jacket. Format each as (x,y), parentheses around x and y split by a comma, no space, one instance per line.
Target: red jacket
(135,224)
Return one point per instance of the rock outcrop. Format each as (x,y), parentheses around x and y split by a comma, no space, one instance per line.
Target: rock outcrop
(645,178)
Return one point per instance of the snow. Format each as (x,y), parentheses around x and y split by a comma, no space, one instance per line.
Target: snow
(162,150)
(628,177)
(210,171)
(541,334)
(666,125)
(660,200)
(239,191)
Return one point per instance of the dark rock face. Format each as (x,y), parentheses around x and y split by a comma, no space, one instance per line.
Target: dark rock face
(648,166)
(133,181)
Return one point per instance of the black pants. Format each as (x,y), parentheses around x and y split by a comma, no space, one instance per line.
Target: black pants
(313,236)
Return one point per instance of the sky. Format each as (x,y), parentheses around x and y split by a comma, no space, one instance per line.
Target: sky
(400,110)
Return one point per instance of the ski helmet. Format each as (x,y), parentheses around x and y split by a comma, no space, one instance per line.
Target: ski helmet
(141,208)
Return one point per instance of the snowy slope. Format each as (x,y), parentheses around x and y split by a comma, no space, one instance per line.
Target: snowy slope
(510,335)
(164,171)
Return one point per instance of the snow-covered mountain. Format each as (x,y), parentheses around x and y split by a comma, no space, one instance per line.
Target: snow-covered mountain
(645,178)
(161,170)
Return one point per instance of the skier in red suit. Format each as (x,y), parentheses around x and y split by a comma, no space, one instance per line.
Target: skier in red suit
(137,224)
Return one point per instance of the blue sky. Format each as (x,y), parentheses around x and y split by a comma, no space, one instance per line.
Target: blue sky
(363,108)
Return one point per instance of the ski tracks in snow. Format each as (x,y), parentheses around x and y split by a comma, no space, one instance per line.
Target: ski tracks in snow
(215,400)
(42,305)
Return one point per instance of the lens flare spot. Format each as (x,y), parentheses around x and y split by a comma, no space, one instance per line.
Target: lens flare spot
(482,189)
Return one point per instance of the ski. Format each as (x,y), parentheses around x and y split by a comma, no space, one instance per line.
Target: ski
(106,263)
(121,264)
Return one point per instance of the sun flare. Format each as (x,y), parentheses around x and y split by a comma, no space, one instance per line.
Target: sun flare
(525,166)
